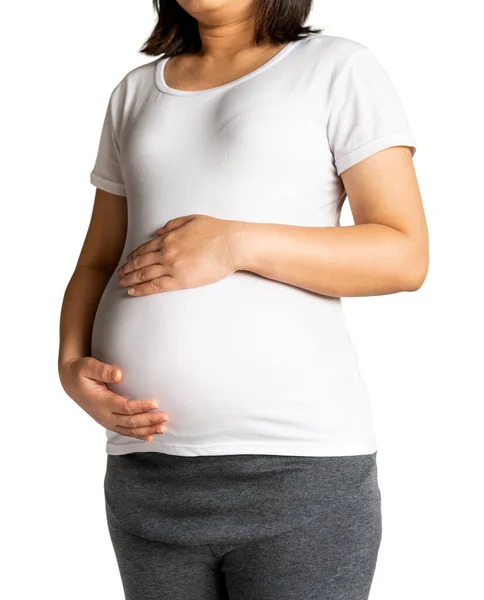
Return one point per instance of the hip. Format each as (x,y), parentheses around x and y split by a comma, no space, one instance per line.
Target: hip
(237,498)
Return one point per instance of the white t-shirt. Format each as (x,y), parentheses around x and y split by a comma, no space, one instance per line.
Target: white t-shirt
(246,365)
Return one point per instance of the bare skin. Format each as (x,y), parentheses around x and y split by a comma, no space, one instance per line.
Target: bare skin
(384,252)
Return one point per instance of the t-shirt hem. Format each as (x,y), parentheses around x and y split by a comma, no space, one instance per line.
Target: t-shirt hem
(105,184)
(386,141)
(302,449)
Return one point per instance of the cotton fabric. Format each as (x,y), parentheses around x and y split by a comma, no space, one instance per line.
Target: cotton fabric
(244,527)
(247,364)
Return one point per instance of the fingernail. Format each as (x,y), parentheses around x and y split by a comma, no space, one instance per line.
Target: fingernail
(131,291)
(161,429)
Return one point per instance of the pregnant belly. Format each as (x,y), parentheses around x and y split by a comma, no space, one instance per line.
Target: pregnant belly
(212,356)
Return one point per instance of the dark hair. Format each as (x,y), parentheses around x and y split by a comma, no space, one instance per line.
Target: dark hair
(277,21)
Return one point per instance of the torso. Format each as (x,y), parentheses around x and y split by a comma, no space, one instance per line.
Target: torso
(247,364)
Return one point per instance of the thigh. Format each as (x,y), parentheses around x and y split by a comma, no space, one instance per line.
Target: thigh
(151,570)
(331,557)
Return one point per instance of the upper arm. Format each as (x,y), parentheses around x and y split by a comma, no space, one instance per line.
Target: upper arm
(106,234)
(373,149)
(383,188)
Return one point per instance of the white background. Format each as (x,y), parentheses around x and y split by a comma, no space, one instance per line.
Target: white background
(420,353)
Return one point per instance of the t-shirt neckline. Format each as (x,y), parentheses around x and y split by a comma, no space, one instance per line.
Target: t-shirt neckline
(164,87)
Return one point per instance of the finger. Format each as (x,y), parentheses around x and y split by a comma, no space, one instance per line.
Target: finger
(149,246)
(142,275)
(139,432)
(124,406)
(155,286)
(138,262)
(144,419)
(100,371)
(174,224)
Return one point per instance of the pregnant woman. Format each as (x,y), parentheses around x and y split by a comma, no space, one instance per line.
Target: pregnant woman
(203,325)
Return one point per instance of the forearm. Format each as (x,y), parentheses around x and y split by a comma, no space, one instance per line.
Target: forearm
(79,306)
(357,260)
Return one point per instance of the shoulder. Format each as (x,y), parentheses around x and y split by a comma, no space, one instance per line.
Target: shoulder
(333,52)
(136,82)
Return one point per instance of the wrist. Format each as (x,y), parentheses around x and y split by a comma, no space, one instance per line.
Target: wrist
(63,363)
(237,237)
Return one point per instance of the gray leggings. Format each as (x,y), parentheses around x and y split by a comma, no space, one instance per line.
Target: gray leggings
(244,526)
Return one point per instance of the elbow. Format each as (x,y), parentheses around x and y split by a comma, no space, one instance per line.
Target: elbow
(415,281)
(416,269)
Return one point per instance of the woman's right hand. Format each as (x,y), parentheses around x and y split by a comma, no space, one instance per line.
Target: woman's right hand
(85,380)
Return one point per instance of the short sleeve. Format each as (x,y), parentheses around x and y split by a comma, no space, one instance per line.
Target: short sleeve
(366,114)
(106,173)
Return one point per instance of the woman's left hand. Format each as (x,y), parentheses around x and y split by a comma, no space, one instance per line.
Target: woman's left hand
(189,251)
